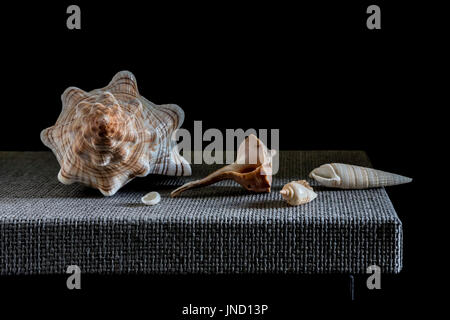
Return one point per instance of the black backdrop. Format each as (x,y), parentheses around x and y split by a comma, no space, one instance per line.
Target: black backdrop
(314,71)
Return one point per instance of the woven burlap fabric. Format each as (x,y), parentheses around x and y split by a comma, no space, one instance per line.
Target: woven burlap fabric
(46,226)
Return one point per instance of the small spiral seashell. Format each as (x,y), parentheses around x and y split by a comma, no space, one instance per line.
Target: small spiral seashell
(298,192)
(346,176)
(151,198)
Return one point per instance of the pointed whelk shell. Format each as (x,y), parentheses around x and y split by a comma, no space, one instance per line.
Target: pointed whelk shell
(346,176)
(298,192)
(106,137)
(252,169)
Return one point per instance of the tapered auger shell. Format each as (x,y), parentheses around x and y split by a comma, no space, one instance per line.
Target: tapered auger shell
(346,176)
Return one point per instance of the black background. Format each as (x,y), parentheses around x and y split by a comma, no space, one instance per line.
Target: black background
(314,71)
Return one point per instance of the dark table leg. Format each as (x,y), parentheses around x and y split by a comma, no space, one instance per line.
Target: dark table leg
(352,287)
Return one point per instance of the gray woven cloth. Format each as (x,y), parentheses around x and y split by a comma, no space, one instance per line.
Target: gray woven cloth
(46,226)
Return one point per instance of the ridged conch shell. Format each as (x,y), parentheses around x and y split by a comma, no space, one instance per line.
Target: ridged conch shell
(346,176)
(252,169)
(298,192)
(106,137)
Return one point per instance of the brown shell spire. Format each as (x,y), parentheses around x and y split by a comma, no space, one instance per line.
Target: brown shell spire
(106,137)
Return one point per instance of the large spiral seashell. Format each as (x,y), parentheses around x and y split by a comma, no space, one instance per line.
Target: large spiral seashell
(346,176)
(106,137)
(298,192)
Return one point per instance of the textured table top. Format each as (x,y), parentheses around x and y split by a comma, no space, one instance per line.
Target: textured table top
(45,225)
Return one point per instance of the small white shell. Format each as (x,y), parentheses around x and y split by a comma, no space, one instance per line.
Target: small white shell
(151,198)
(346,176)
(298,192)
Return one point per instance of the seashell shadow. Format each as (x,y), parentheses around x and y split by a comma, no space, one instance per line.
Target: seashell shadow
(59,192)
(321,188)
(146,185)
(214,192)
(86,192)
